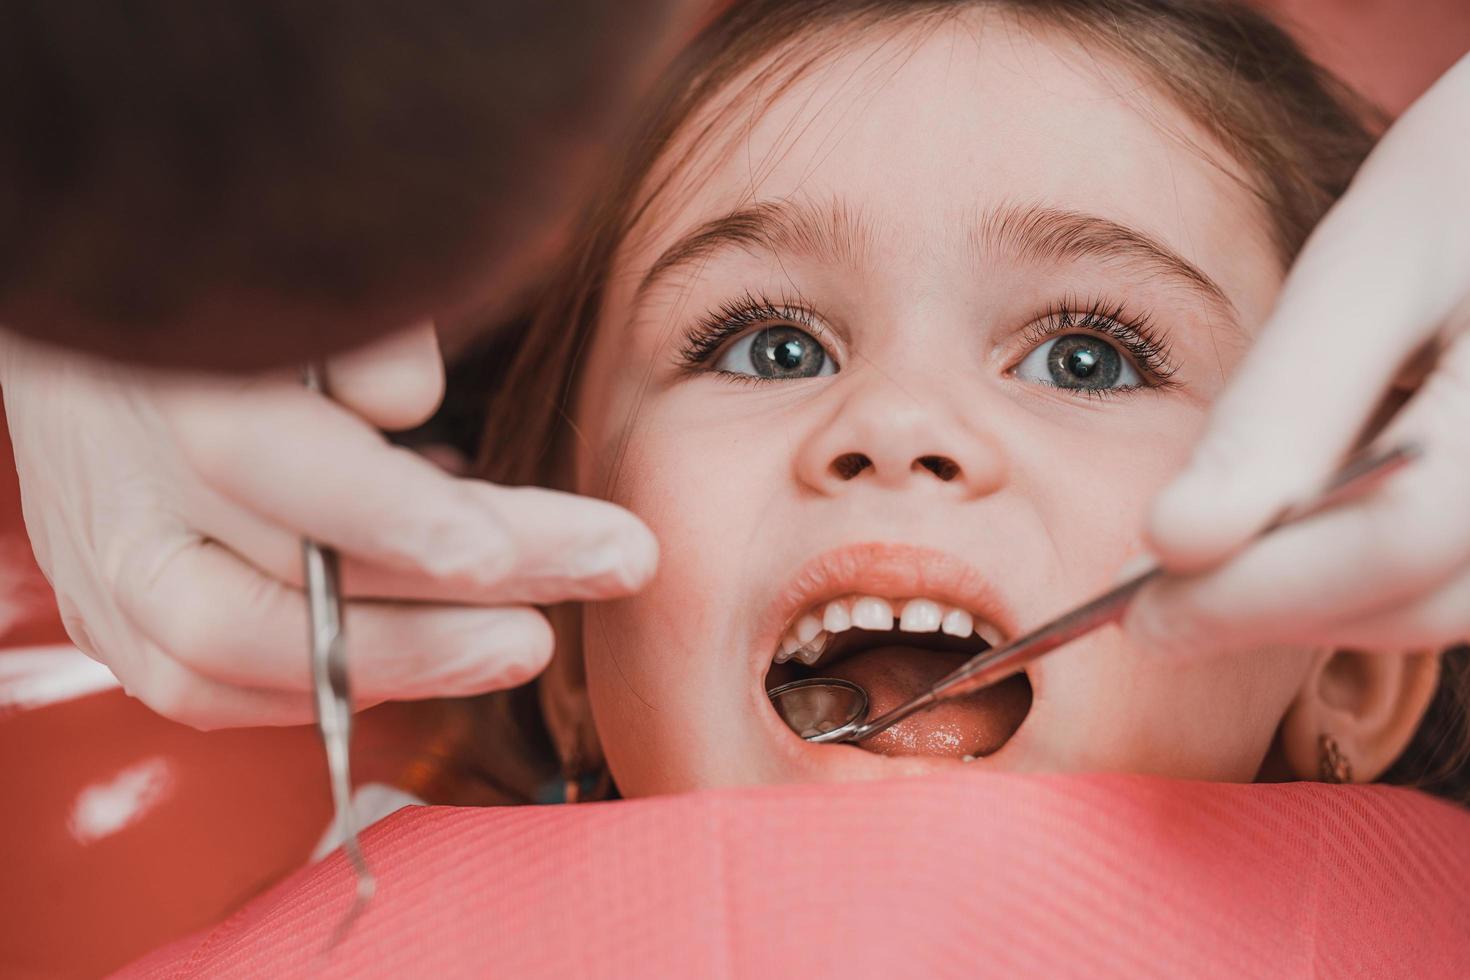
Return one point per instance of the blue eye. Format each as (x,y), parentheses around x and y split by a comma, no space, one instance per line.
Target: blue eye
(1079,361)
(776,353)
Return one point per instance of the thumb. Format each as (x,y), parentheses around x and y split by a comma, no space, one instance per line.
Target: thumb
(396,382)
(1303,396)
(1376,280)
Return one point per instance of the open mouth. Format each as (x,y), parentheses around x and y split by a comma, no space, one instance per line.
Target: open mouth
(896,649)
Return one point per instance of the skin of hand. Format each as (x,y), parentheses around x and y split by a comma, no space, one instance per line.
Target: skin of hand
(1375,312)
(167,510)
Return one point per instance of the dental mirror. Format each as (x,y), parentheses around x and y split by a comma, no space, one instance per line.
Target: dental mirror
(821,709)
(828,709)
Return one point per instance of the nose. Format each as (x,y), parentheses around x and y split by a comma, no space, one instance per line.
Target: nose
(888,437)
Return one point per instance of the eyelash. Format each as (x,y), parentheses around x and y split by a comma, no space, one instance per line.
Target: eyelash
(736,316)
(1134,333)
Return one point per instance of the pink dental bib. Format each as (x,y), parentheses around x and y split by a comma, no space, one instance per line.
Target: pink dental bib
(964,874)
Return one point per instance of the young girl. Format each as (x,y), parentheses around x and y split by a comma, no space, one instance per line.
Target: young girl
(890,326)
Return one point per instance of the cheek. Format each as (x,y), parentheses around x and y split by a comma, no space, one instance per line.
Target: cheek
(1091,486)
(700,493)
(1107,705)
(654,660)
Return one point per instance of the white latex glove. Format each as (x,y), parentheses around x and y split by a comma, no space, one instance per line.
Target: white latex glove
(167,513)
(1379,296)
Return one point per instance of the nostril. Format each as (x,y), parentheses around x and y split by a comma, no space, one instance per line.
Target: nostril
(849,465)
(941,466)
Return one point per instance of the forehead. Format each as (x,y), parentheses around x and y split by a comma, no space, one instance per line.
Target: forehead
(921,129)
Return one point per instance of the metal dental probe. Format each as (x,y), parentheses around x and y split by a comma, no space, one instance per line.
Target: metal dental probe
(332,694)
(824,709)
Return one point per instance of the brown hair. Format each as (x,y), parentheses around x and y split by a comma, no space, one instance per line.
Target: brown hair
(1299,135)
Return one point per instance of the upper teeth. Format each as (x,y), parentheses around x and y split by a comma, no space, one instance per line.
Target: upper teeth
(808,637)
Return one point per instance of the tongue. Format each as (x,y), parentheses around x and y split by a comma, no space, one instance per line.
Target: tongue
(976,724)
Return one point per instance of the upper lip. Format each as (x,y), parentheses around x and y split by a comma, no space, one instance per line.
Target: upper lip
(889,570)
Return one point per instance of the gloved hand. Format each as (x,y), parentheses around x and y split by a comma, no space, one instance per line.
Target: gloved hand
(1380,296)
(167,512)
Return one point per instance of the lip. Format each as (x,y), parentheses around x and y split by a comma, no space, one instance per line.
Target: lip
(884,569)
(890,570)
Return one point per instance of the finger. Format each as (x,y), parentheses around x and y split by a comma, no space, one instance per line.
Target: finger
(394,383)
(555,555)
(1440,619)
(560,553)
(1364,296)
(205,608)
(1432,622)
(1343,564)
(1273,437)
(310,467)
(173,689)
(181,694)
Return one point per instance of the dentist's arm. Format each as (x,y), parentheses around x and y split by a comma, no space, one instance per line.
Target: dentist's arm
(167,511)
(1379,298)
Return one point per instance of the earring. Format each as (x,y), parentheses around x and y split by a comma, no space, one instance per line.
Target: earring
(1333,766)
(581,783)
(586,786)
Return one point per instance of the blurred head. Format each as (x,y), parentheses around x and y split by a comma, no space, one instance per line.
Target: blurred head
(890,333)
(236,184)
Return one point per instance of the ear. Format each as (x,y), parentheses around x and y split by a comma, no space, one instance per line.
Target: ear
(565,705)
(1369,704)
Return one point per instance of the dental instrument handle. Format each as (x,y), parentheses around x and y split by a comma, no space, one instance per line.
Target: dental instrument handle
(992,666)
(332,693)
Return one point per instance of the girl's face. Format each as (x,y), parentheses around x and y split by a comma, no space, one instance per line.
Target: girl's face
(908,357)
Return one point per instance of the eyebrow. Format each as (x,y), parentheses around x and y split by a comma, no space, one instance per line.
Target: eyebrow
(838,234)
(1059,235)
(835,234)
